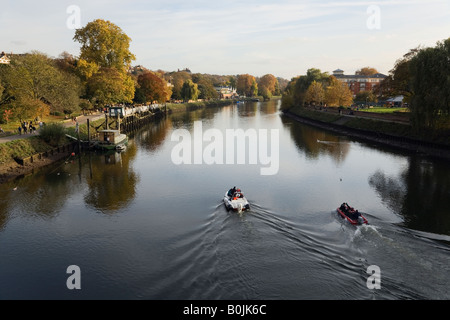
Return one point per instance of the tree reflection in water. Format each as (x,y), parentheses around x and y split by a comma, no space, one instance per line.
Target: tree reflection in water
(419,194)
(112,185)
(315,142)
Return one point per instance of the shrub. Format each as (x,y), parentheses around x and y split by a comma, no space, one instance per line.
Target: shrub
(53,133)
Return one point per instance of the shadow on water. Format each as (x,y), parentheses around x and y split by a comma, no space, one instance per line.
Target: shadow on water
(315,143)
(418,194)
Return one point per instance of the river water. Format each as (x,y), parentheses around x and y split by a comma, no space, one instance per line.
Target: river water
(139,226)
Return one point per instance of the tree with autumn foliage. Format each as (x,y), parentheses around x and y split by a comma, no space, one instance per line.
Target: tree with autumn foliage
(295,91)
(35,86)
(366,71)
(153,88)
(110,86)
(105,44)
(267,86)
(338,93)
(315,93)
(246,85)
(104,61)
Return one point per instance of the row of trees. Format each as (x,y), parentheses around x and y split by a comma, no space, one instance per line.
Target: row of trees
(316,87)
(34,84)
(422,77)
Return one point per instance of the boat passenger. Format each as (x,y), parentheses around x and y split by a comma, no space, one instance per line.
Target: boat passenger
(231,191)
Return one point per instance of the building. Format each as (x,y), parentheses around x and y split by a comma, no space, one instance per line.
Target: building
(4,58)
(226,92)
(359,82)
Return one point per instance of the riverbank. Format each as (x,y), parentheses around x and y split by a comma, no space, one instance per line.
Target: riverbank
(383,130)
(22,157)
(38,154)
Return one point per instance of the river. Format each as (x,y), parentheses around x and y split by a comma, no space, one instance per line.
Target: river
(140,226)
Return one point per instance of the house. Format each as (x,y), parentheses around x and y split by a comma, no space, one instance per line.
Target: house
(226,92)
(359,82)
(4,58)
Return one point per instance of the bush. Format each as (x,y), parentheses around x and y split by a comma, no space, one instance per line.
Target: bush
(53,133)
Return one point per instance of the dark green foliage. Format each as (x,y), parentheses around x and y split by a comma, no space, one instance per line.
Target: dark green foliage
(53,134)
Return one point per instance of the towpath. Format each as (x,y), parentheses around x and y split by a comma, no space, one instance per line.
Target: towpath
(66,123)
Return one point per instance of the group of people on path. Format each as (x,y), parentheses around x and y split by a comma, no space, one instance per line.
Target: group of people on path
(27,126)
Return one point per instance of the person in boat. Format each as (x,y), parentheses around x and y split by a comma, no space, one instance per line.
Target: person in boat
(349,211)
(231,191)
(345,207)
(238,194)
(355,215)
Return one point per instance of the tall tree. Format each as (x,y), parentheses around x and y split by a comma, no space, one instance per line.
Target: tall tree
(189,91)
(398,81)
(430,84)
(267,86)
(245,85)
(153,87)
(303,82)
(109,86)
(338,93)
(177,79)
(105,44)
(315,93)
(205,87)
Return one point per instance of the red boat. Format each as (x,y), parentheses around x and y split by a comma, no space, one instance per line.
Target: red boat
(352,215)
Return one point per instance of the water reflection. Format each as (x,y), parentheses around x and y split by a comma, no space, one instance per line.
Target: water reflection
(314,142)
(247,109)
(40,195)
(270,107)
(152,137)
(112,183)
(419,193)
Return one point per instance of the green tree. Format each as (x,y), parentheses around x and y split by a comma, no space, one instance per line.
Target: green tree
(206,89)
(365,97)
(398,81)
(36,86)
(189,91)
(430,83)
(254,89)
(105,44)
(109,86)
(177,79)
(231,82)
(303,82)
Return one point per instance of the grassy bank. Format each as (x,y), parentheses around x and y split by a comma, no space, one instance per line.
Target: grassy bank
(375,126)
(22,148)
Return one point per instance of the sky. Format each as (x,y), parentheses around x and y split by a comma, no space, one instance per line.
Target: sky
(283,38)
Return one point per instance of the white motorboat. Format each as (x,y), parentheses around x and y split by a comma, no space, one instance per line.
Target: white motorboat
(235,200)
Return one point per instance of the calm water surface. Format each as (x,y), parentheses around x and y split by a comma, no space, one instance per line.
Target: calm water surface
(141,227)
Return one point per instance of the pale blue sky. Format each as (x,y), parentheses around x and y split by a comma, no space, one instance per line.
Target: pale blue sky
(284,38)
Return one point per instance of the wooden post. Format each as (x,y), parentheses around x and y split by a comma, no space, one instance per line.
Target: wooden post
(89,132)
(106,120)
